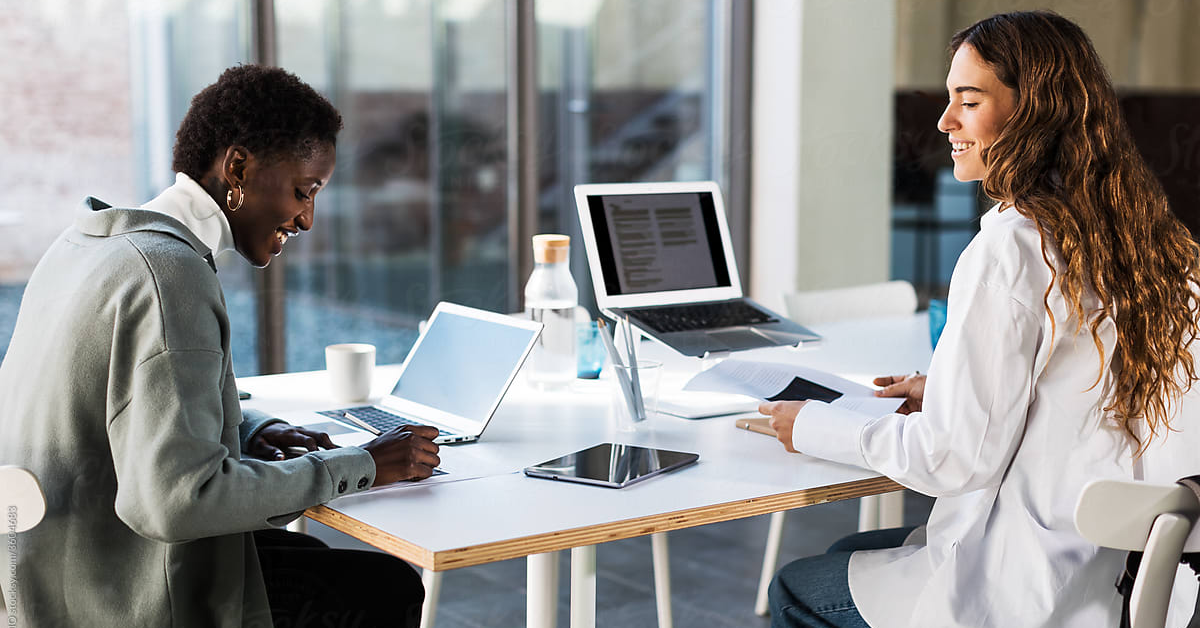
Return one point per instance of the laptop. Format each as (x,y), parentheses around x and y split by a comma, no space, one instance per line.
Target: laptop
(454,377)
(661,254)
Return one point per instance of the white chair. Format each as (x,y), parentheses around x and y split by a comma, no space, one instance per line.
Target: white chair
(23,504)
(1140,516)
(890,298)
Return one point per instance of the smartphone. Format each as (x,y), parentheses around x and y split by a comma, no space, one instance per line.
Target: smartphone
(762,425)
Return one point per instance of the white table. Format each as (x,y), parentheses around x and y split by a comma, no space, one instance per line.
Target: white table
(740,474)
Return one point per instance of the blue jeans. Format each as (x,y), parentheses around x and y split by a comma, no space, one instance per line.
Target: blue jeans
(814,592)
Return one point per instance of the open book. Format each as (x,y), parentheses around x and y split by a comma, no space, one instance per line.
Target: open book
(775,381)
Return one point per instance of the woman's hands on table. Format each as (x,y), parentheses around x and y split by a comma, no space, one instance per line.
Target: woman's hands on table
(281,441)
(911,387)
(783,419)
(405,453)
(783,413)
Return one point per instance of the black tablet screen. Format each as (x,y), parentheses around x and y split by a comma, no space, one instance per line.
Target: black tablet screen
(610,464)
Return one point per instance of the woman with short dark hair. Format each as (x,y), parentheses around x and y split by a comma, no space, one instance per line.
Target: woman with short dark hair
(118,392)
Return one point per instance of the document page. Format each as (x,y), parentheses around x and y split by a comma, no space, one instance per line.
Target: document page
(659,242)
(774,381)
(458,462)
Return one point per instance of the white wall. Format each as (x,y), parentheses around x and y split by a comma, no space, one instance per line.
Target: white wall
(821,180)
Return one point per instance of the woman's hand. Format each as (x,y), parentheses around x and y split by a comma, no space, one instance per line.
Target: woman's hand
(783,419)
(280,441)
(911,387)
(405,453)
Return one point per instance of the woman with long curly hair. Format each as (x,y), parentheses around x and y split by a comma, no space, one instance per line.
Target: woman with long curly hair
(1067,357)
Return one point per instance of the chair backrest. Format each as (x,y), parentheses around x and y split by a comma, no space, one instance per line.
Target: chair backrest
(21,499)
(1140,516)
(813,307)
(22,506)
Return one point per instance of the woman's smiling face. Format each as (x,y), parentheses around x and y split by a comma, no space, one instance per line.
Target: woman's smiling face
(980,106)
(279,202)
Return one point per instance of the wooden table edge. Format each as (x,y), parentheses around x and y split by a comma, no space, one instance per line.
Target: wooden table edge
(594,535)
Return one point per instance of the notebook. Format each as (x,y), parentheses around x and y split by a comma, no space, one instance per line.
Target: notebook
(455,375)
(661,254)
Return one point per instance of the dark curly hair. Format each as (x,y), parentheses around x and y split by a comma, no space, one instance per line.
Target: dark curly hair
(1067,161)
(268,110)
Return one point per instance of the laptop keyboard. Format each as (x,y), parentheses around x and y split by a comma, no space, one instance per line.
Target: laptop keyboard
(701,316)
(377,418)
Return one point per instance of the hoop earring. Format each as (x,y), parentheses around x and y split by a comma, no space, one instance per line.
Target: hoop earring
(229,199)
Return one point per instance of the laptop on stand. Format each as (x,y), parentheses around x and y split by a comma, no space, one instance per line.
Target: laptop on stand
(661,254)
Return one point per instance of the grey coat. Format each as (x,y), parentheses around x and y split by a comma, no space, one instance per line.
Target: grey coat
(118,392)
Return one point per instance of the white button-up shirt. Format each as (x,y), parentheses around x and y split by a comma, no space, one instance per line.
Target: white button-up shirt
(1011,430)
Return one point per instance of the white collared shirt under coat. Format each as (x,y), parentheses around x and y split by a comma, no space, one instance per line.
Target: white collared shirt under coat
(1011,430)
(190,204)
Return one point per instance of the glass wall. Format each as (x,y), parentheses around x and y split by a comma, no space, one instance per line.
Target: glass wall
(370,268)
(177,49)
(418,210)
(66,130)
(631,92)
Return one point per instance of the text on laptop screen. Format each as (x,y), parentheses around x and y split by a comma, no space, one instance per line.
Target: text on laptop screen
(658,242)
(462,365)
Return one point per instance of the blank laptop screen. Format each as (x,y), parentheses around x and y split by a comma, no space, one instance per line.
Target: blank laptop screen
(462,365)
(658,242)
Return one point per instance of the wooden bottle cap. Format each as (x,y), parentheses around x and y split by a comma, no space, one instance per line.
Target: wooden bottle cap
(551,248)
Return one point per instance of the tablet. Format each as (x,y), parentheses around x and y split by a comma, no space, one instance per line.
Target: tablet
(611,465)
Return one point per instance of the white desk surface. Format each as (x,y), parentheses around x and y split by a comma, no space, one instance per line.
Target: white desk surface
(739,474)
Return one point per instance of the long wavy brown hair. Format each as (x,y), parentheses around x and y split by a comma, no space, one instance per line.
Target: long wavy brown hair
(1066,160)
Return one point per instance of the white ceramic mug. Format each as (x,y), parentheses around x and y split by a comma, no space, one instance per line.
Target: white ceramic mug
(351,367)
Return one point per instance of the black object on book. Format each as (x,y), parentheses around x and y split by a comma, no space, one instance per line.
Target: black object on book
(802,390)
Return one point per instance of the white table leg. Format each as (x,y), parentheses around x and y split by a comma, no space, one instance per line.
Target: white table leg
(541,582)
(433,588)
(770,561)
(891,510)
(583,587)
(868,513)
(662,578)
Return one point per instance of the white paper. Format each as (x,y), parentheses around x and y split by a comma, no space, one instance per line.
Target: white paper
(458,463)
(693,404)
(764,380)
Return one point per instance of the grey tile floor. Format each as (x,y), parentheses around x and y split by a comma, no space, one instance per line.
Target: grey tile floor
(714,573)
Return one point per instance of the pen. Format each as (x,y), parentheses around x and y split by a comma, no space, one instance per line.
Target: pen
(372,429)
(361,423)
(621,375)
(636,382)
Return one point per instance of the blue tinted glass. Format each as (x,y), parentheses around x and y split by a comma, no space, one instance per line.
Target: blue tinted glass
(462,365)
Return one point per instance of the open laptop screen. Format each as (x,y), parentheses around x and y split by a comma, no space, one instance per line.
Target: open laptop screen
(657,242)
(462,365)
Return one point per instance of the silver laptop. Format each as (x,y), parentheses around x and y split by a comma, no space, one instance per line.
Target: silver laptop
(661,254)
(455,375)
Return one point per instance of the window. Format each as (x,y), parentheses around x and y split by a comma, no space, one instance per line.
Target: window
(420,207)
